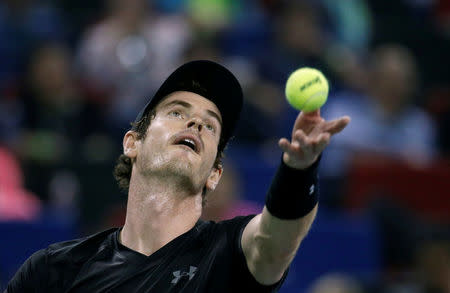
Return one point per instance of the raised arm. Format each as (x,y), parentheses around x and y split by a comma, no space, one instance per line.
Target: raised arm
(271,239)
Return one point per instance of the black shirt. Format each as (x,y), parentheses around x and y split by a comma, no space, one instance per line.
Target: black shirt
(207,258)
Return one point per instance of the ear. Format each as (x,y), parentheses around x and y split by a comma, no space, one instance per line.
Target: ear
(130,143)
(214,178)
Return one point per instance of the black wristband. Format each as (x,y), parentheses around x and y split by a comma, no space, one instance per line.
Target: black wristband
(293,193)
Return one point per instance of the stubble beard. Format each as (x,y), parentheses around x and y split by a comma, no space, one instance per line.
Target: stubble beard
(174,171)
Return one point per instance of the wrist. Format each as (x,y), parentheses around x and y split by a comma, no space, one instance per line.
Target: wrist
(299,165)
(293,192)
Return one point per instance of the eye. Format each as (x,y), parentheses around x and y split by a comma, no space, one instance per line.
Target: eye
(210,127)
(175,113)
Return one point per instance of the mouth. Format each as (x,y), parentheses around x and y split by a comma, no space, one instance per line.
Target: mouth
(189,141)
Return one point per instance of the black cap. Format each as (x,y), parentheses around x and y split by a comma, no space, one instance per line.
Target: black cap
(215,83)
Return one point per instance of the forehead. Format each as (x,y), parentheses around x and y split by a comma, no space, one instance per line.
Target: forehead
(193,99)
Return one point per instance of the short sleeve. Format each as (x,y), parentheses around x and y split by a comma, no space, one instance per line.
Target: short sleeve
(31,276)
(243,278)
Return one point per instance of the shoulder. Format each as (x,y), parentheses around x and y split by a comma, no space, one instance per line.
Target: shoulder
(78,250)
(224,235)
(236,222)
(58,259)
(228,236)
(32,275)
(226,226)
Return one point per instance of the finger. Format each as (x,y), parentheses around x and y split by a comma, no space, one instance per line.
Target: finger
(315,113)
(314,142)
(302,142)
(324,140)
(300,138)
(288,148)
(337,125)
(284,144)
(307,120)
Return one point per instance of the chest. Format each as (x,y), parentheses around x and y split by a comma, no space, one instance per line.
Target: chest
(193,267)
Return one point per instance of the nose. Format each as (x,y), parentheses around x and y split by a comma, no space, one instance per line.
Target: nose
(195,123)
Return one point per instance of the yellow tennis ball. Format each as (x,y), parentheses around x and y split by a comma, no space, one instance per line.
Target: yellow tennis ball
(306,89)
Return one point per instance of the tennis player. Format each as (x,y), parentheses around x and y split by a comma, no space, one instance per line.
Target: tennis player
(171,160)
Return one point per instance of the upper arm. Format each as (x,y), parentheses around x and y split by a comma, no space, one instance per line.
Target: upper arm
(266,271)
(31,276)
(269,244)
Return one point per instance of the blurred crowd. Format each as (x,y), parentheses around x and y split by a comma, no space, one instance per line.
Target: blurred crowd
(74,74)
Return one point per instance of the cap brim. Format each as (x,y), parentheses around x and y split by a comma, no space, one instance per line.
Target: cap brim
(217,84)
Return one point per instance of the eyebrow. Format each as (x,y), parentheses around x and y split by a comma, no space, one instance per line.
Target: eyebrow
(188,105)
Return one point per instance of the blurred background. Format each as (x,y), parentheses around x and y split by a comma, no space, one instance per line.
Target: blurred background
(74,74)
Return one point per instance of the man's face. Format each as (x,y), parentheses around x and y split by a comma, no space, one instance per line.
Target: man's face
(182,140)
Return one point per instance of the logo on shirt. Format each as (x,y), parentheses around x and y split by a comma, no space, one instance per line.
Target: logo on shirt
(181,274)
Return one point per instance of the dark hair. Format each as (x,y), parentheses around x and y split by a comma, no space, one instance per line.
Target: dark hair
(124,164)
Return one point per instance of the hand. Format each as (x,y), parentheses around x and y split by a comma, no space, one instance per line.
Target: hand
(310,135)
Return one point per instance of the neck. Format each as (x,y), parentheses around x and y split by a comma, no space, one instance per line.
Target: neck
(157,212)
